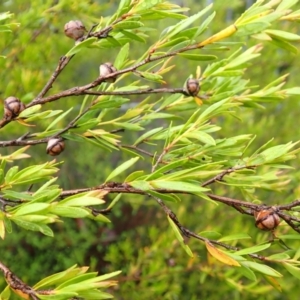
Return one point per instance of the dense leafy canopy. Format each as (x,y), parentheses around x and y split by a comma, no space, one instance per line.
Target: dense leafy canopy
(167,159)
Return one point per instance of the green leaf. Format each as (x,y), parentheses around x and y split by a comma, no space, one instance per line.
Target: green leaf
(234,237)
(279,256)
(293,91)
(115,201)
(173,30)
(11,173)
(251,28)
(129,126)
(124,4)
(261,268)
(77,279)
(5,294)
(133,176)
(108,275)
(5,15)
(289,237)
(94,294)
(128,25)
(123,167)
(212,235)
(30,208)
(295,271)
(177,186)
(286,4)
(109,102)
(249,54)
(133,36)
(17,195)
(254,249)
(33,226)
(165,197)
(202,137)
(147,135)
(81,200)
(172,42)
(150,76)
(100,218)
(283,35)
(57,278)
(57,295)
(58,119)
(69,212)
(198,57)
(81,45)
(180,238)
(284,45)
(247,272)
(30,111)
(122,57)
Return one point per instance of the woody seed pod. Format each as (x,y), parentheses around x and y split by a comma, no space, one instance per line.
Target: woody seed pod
(192,86)
(74,30)
(106,69)
(266,219)
(55,147)
(12,107)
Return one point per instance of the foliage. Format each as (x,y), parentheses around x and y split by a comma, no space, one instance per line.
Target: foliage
(162,140)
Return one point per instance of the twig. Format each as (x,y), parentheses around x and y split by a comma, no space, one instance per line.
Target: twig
(290,221)
(289,206)
(220,176)
(17,284)
(159,160)
(136,92)
(136,149)
(188,233)
(234,202)
(63,62)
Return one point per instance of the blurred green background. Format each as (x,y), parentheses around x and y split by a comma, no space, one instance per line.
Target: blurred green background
(138,239)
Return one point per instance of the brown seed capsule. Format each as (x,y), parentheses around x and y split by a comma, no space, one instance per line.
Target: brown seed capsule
(192,86)
(266,219)
(55,147)
(74,30)
(12,107)
(106,69)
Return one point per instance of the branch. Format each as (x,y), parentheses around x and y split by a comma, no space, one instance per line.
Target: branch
(220,176)
(234,202)
(159,160)
(17,285)
(188,233)
(137,92)
(63,62)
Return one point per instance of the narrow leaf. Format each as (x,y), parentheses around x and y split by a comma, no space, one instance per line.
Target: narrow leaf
(220,255)
(180,238)
(122,168)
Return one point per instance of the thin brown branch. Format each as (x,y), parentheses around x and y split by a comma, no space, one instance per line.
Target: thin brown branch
(17,285)
(136,92)
(234,202)
(294,224)
(81,90)
(220,176)
(289,206)
(21,142)
(137,149)
(75,91)
(115,187)
(159,160)
(63,62)
(188,233)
